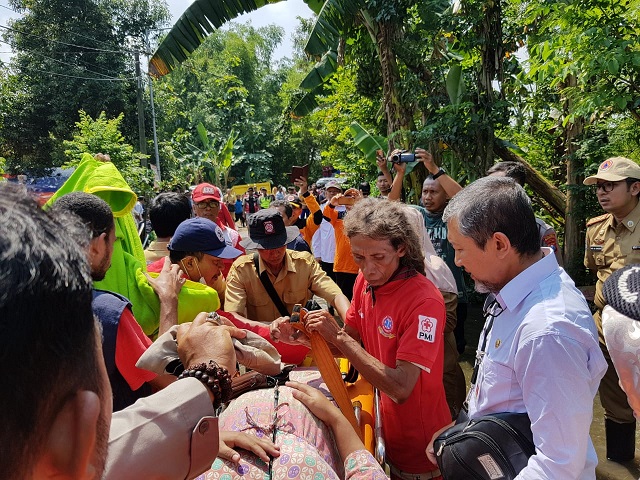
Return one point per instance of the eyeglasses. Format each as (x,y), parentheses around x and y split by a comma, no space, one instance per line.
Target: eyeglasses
(491,307)
(606,186)
(210,204)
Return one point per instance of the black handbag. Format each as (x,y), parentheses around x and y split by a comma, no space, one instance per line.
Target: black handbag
(491,447)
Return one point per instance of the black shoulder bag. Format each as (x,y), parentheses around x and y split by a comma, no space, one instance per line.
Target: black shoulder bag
(490,447)
(277,301)
(268,286)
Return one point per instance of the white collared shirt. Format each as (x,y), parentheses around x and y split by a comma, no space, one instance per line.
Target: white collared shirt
(543,358)
(323,242)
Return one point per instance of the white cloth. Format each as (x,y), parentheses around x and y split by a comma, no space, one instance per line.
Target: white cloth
(231,237)
(138,211)
(622,336)
(543,358)
(253,351)
(323,242)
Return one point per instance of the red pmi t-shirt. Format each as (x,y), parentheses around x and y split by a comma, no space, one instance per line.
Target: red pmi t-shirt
(404,320)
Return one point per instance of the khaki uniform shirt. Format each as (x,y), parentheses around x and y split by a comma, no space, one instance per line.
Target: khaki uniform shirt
(301,277)
(155,251)
(170,434)
(610,246)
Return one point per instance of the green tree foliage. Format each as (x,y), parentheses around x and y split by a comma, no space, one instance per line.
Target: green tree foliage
(70,55)
(228,85)
(103,135)
(340,107)
(597,42)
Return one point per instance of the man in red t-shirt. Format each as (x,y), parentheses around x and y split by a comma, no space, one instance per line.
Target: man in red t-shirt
(123,339)
(399,316)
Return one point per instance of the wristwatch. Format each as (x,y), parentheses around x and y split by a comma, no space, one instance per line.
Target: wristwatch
(441,171)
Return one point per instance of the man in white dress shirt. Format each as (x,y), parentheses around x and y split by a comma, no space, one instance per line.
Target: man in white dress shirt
(323,243)
(542,355)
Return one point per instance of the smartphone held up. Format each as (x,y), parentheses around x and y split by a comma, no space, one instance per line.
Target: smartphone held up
(343,200)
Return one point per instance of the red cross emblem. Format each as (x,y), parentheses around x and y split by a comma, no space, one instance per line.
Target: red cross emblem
(426,325)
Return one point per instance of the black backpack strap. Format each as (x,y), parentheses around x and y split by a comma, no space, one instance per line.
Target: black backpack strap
(268,286)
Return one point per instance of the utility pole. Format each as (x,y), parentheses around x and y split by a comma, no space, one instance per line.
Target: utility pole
(153,111)
(141,130)
(153,124)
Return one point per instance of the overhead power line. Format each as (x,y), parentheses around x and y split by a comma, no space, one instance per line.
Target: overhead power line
(69,32)
(10,29)
(127,79)
(33,52)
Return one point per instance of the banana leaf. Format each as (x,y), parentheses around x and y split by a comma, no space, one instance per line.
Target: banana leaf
(334,20)
(226,152)
(198,21)
(315,5)
(455,84)
(370,144)
(306,104)
(314,83)
(367,143)
(321,71)
(203,134)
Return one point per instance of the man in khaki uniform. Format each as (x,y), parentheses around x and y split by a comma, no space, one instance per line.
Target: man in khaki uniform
(295,276)
(613,241)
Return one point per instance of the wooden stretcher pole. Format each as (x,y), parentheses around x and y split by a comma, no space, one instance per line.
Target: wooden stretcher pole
(328,368)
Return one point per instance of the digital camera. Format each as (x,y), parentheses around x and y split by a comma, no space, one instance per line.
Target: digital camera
(404,157)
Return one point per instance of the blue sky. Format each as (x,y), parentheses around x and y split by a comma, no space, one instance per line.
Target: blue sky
(282,14)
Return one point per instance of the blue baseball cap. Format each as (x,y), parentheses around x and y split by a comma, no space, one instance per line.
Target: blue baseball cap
(201,235)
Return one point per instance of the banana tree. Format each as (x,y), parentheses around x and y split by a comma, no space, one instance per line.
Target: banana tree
(334,23)
(210,161)
(335,19)
(198,21)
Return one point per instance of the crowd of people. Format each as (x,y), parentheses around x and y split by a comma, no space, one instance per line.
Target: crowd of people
(81,305)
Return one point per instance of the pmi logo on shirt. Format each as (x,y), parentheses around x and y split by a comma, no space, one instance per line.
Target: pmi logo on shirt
(427,328)
(386,329)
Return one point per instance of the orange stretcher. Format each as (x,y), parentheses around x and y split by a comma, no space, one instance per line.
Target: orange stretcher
(358,401)
(361,396)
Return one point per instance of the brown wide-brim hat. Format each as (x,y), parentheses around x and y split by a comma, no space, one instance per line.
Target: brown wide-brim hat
(613,170)
(267,231)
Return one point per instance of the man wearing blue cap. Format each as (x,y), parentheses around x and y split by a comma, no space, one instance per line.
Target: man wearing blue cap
(199,248)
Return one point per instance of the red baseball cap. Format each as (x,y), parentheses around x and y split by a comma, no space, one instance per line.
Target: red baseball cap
(205,191)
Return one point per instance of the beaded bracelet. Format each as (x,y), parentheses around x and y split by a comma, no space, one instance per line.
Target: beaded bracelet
(214,377)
